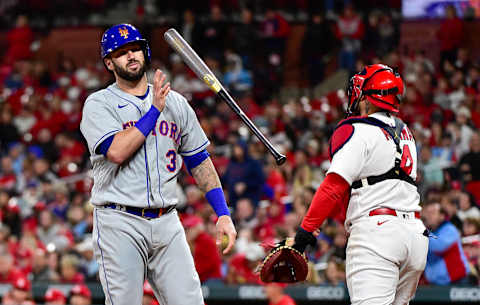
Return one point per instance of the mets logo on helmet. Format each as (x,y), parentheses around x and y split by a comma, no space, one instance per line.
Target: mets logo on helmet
(123,32)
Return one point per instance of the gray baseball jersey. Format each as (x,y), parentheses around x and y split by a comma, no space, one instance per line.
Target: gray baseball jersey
(148,179)
(130,248)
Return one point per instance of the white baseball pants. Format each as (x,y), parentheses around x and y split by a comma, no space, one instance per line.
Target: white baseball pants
(386,256)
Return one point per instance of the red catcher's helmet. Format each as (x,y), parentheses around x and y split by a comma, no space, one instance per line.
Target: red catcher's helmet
(382,86)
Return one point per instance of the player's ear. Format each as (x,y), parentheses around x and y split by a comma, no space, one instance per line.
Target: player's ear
(363,106)
(108,63)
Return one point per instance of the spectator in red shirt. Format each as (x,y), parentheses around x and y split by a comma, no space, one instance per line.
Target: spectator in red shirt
(241,269)
(263,229)
(8,179)
(10,216)
(55,297)
(8,272)
(70,149)
(450,35)
(205,253)
(80,295)
(220,160)
(274,31)
(19,40)
(50,119)
(24,251)
(30,223)
(350,31)
(276,295)
(275,180)
(20,293)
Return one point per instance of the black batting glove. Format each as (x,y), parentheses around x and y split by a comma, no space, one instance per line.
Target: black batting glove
(303,239)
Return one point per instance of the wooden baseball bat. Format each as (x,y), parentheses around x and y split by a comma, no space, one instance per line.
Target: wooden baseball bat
(191,58)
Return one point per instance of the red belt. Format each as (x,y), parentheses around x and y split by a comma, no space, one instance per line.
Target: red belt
(388,211)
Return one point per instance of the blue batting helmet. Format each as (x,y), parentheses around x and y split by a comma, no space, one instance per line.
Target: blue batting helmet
(119,35)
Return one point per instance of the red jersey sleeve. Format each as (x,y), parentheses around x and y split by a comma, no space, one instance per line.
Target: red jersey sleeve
(333,192)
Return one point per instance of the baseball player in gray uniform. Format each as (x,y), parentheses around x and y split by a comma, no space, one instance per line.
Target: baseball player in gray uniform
(138,136)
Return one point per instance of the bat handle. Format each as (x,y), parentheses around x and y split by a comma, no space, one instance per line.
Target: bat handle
(280,159)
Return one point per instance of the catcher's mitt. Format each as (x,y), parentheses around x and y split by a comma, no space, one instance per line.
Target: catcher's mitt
(284,264)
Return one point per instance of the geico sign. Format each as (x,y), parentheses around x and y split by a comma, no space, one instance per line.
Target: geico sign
(251,292)
(465,294)
(325,293)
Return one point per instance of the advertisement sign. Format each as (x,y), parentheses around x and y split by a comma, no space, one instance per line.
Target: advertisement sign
(436,8)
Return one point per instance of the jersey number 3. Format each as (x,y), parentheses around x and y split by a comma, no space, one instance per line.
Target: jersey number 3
(407,160)
(172,166)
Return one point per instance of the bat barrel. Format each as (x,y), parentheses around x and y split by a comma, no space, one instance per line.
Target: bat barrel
(191,58)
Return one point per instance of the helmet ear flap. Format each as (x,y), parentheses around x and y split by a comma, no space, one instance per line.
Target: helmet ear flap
(402,88)
(354,93)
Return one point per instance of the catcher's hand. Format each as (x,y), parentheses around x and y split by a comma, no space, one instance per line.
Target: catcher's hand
(284,264)
(304,238)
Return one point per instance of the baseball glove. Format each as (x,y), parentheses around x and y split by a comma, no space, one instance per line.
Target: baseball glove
(284,264)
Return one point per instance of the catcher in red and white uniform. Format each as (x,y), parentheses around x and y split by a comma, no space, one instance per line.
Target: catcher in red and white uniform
(372,177)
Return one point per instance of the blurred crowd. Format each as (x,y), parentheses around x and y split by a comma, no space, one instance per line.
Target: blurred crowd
(45,214)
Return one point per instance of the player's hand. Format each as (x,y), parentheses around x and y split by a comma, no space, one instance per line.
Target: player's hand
(225,227)
(160,90)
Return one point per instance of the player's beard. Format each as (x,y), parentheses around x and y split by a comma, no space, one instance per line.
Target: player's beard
(130,76)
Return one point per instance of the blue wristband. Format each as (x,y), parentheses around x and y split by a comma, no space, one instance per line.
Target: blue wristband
(216,198)
(148,121)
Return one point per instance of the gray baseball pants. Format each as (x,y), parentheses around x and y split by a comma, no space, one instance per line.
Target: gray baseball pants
(130,249)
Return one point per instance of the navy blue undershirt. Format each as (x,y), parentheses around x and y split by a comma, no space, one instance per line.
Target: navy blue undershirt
(194,160)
